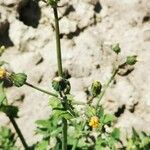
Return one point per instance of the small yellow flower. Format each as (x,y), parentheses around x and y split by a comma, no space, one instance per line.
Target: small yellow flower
(2,73)
(94,122)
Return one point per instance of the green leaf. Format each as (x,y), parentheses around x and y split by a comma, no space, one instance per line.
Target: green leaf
(100,112)
(116,133)
(18,79)
(7,139)
(54,102)
(131,60)
(90,111)
(43,123)
(63,114)
(116,48)
(108,118)
(3,99)
(43,145)
(11,111)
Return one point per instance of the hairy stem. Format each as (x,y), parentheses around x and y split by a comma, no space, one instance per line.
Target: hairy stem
(41,90)
(106,86)
(50,93)
(60,72)
(58,46)
(19,133)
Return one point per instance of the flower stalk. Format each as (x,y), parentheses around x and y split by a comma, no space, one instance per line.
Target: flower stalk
(106,86)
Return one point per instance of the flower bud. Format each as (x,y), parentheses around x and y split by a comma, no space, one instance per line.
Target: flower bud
(131,60)
(96,88)
(18,79)
(58,84)
(53,2)
(116,48)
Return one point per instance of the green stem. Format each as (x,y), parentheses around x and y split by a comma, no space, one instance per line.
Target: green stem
(106,86)
(60,72)
(19,132)
(58,46)
(50,93)
(41,90)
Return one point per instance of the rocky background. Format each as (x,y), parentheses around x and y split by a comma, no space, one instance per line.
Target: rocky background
(88,28)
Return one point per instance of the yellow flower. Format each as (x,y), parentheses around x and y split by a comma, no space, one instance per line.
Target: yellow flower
(2,73)
(94,122)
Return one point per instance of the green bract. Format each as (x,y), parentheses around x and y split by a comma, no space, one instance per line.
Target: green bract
(18,79)
(131,60)
(116,48)
(96,88)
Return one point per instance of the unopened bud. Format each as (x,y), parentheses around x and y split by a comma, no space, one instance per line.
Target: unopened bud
(116,48)
(131,60)
(18,79)
(96,88)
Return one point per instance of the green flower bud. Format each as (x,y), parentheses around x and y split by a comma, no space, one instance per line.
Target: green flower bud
(61,84)
(131,60)
(116,48)
(53,2)
(18,79)
(96,88)
(58,84)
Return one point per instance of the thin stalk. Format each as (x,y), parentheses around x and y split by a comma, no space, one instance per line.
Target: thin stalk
(60,72)
(58,46)
(106,86)
(19,133)
(41,90)
(50,93)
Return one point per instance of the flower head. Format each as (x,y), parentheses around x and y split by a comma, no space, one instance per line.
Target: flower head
(2,73)
(94,122)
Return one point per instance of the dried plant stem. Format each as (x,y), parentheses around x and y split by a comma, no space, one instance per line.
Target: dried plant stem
(60,72)
(12,120)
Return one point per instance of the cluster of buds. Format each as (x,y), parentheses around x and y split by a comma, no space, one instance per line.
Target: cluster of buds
(61,85)
(94,122)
